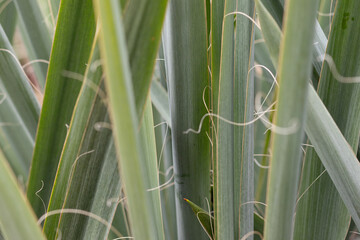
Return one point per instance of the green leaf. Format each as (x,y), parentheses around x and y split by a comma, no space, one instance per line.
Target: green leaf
(94,185)
(50,10)
(317,122)
(235,144)
(143,22)
(87,175)
(150,166)
(8,18)
(19,111)
(71,49)
(243,109)
(55,5)
(164,154)
(160,100)
(185,41)
(17,220)
(335,153)
(141,30)
(326,15)
(270,30)
(263,83)
(341,99)
(275,9)
(217,16)
(166,175)
(206,221)
(293,74)
(36,35)
(258,224)
(137,168)
(106,200)
(261,52)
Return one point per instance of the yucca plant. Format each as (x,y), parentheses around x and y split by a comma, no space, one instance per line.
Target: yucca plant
(212,119)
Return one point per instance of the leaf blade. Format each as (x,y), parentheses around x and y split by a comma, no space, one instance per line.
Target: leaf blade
(185,41)
(71,49)
(17,219)
(294,72)
(143,205)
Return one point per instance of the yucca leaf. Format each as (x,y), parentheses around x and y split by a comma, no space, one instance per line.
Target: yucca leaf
(261,52)
(335,153)
(50,10)
(36,35)
(293,74)
(19,111)
(148,144)
(217,16)
(78,174)
(95,184)
(319,47)
(166,174)
(224,163)
(55,5)
(8,18)
(71,49)
(326,152)
(140,30)
(19,90)
(160,100)
(270,30)
(263,83)
(275,9)
(88,167)
(164,153)
(206,221)
(235,145)
(326,14)
(185,41)
(143,43)
(17,220)
(341,99)
(258,224)
(243,107)
(137,172)
(106,200)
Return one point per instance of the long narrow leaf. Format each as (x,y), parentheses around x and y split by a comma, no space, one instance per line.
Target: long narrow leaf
(164,153)
(294,72)
(332,159)
(341,99)
(235,145)
(19,111)
(71,49)
(185,40)
(224,174)
(8,18)
(243,107)
(217,16)
(160,100)
(85,148)
(335,153)
(326,14)
(143,22)
(36,35)
(135,171)
(17,220)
